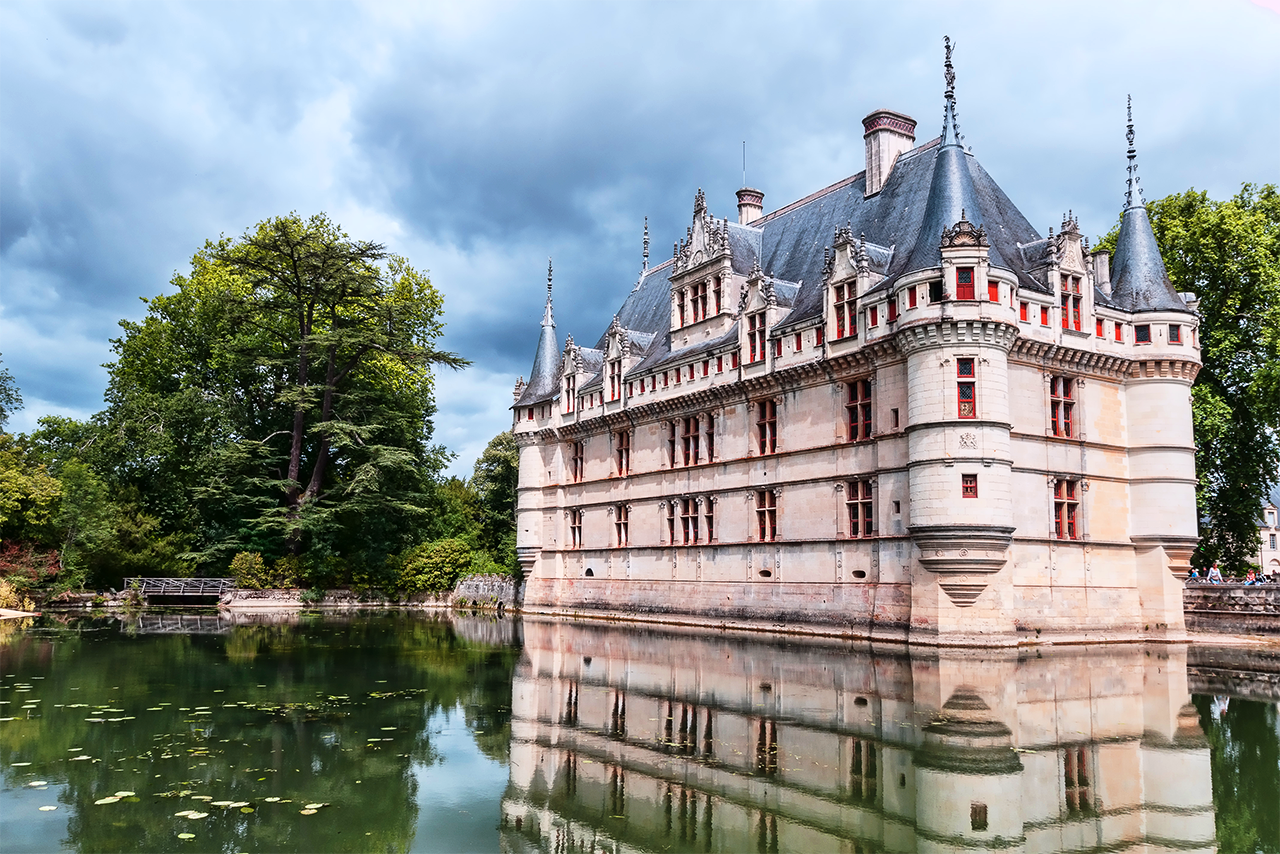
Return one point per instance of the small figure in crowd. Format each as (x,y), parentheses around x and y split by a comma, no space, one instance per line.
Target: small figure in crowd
(1250,577)
(1195,575)
(1215,574)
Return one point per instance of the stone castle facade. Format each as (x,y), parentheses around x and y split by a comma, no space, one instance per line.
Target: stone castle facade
(890,409)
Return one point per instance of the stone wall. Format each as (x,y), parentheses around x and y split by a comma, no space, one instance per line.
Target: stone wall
(1232,607)
(486,591)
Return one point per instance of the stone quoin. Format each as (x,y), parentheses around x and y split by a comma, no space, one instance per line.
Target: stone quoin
(891,409)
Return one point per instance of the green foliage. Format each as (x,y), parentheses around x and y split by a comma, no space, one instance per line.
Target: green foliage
(494,481)
(10,397)
(1228,254)
(249,570)
(313,596)
(434,567)
(29,495)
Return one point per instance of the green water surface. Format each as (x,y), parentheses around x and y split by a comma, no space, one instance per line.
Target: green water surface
(410,732)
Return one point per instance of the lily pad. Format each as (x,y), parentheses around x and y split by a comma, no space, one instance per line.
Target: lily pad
(48,809)
(186,836)
(125,794)
(238,804)
(316,806)
(197,815)
(35,783)
(220,803)
(110,800)
(184,813)
(308,812)
(246,809)
(20,764)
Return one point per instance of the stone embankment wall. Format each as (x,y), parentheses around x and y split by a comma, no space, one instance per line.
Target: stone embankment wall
(475,591)
(1232,607)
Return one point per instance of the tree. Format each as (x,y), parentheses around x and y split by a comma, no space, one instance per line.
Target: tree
(495,478)
(280,401)
(10,398)
(1228,254)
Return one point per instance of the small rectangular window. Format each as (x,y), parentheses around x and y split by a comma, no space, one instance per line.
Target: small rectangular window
(767,515)
(733,359)
(964,283)
(1100,332)
(935,292)
(911,297)
(621,523)
(767,426)
(1022,311)
(1062,405)
(622,451)
(719,364)
(875,316)
(993,291)
(777,348)
(689,521)
(1142,333)
(969,485)
(1044,315)
(1175,333)
(577,460)
(964,367)
(799,342)
(858,410)
(1066,507)
(530,414)
(1120,332)
(706,367)
(575,529)
(817,337)
(893,309)
(893,415)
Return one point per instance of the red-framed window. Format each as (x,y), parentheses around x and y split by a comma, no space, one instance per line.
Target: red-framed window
(709,518)
(681,306)
(755,337)
(968,486)
(858,410)
(570,392)
(621,524)
(575,529)
(993,291)
(893,308)
(622,451)
(846,312)
(577,460)
(875,316)
(706,367)
(530,413)
(733,358)
(767,426)
(672,444)
(1142,333)
(777,348)
(964,283)
(671,522)
(817,337)
(689,520)
(911,297)
(1175,333)
(1119,331)
(860,506)
(709,436)
(766,515)
(699,300)
(966,388)
(1062,405)
(615,379)
(1099,327)
(691,440)
(719,364)
(799,341)
(1022,311)
(1066,509)
(1044,315)
(716,293)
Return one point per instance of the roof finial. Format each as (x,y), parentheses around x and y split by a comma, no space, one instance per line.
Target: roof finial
(547,319)
(1134,182)
(950,120)
(646,245)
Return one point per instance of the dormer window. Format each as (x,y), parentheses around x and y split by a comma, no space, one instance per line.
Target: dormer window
(964,283)
(681,307)
(615,379)
(846,316)
(755,337)
(1071,303)
(570,392)
(699,301)
(716,293)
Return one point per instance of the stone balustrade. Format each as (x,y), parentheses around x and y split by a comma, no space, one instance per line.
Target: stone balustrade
(1232,607)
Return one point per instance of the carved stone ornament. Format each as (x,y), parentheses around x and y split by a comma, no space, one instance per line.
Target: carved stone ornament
(969,440)
(704,239)
(964,233)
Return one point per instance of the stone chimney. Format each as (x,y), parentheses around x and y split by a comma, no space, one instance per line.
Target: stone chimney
(750,205)
(1102,270)
(887,134)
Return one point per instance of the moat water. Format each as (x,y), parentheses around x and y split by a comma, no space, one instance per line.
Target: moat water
(410,732)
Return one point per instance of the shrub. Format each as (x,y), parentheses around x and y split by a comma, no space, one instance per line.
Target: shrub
(434,567)
(249,571)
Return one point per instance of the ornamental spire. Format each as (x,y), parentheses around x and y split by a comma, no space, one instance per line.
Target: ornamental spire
(547,320)
(950,120)
(646,246)
(1134,182)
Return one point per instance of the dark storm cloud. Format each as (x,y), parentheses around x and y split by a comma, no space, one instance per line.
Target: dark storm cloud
(477,139)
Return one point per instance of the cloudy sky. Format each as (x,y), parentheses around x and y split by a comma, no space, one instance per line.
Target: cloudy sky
(478,139)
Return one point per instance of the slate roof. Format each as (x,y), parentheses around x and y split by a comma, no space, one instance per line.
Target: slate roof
(926,191)
(1138,278)
(544,379)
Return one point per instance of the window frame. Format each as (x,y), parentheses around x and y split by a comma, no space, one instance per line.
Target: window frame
(577,461)
(622,451)
(968,485)
(860,511)
(766,426)
(766,516)
(1066,509)
(846,311)
(858,410)
(622,525)
(1062,403)
(966,387)
(965,290)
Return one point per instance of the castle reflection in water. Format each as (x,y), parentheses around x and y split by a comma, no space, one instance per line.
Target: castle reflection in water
(626,740)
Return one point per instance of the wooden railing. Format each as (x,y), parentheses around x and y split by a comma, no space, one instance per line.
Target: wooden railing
(185,587)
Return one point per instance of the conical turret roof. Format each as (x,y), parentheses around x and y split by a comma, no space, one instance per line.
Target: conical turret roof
(1139,281)
(544,382)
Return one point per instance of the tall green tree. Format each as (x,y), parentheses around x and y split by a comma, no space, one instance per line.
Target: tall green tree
(1228,254)
(281,399)
(494,480)
(10,398)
